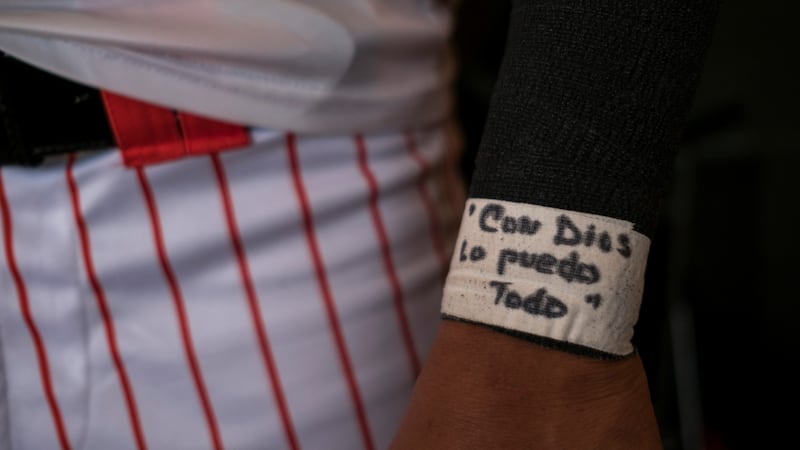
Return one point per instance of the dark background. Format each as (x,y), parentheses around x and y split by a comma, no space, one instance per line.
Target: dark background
(719,323)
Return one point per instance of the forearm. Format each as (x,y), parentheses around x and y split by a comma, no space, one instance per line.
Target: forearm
(587,110)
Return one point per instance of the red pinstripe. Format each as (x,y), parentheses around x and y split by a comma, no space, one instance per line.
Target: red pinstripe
(386,254)
(433,216)
(178,302)
(327,296)
(27,316)
(105,312)
(252,302)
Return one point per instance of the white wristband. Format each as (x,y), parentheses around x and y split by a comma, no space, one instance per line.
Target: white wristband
(558,274)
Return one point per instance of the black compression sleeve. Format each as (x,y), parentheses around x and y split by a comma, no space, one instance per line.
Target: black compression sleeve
(590,102)
(586,114)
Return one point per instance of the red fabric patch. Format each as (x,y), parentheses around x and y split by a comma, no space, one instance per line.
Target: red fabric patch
(149,134)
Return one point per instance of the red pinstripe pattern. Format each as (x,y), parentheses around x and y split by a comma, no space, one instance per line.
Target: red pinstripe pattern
(102,306)
(327,296)
(433,216)
(386,254)
(178,302)
(27,316)
(252,302)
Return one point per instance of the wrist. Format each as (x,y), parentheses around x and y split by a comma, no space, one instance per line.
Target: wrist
(483,389)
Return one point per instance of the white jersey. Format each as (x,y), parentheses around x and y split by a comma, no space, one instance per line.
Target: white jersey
(313,66)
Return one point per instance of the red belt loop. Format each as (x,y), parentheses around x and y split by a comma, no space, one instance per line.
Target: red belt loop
(203,136)
(149,134)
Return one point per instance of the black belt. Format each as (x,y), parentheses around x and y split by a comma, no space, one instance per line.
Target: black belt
(42,114)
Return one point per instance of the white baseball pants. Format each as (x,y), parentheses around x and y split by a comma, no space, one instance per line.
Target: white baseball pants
(278,296)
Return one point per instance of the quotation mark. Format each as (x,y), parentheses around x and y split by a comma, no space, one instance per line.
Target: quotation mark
(594,300)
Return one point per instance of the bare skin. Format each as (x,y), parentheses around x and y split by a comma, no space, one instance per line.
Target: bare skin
(481,389)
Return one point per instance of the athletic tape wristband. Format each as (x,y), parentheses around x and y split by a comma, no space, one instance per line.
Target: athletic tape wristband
(555,274)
